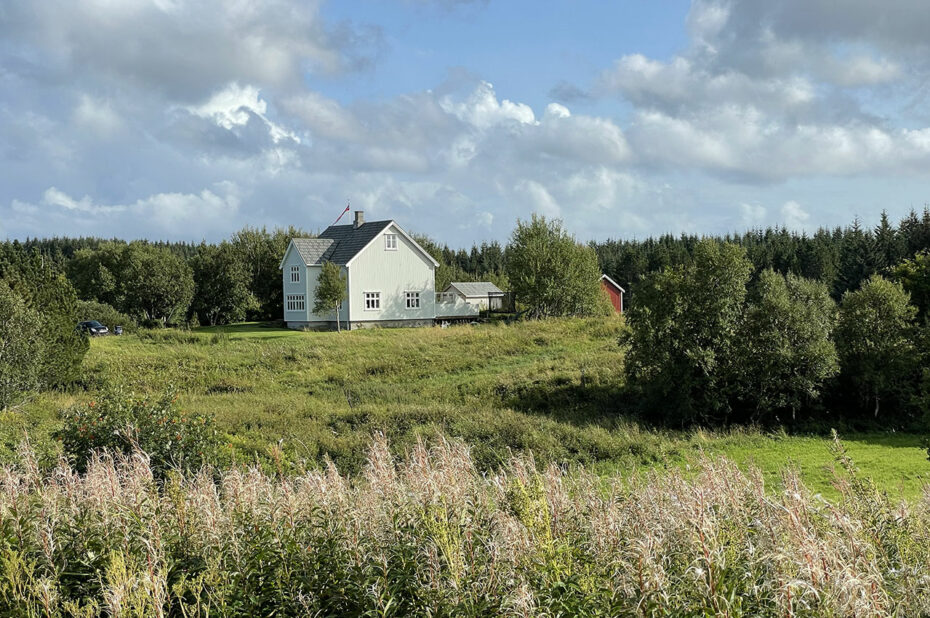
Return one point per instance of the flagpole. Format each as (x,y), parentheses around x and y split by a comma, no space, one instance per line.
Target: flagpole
(343,212)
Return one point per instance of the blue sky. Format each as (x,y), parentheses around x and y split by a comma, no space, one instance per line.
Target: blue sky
(187,120)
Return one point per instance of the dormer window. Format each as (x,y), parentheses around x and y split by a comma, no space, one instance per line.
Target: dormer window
(295,274)
(390,242)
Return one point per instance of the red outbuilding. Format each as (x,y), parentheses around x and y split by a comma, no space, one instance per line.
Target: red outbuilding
(615,292)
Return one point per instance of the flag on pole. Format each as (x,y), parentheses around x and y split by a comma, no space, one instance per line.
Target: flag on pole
(340,216)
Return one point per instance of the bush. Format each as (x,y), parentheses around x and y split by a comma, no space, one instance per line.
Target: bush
(125,422)
(104,313)
(21,347)
(51,295)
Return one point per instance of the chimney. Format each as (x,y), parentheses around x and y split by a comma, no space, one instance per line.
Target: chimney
(359,218)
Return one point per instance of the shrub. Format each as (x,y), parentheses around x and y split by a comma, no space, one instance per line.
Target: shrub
(125,422)
(21,347)
(51,295)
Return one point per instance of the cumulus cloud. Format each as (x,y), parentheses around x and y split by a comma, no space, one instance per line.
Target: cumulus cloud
(762,95)
(133,118)
(483,110)
(184,49)
(234,105)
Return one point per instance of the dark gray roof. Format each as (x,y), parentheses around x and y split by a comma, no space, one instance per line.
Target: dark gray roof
(476,288)
(314,250)
(348,240)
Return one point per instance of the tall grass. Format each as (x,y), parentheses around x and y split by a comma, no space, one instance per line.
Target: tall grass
(430,535)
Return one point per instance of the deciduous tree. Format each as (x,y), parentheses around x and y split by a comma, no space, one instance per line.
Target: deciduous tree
(158,284)
(330,291)
(221,284)
(550,272)
(785,350)
(875,338)
(682,337)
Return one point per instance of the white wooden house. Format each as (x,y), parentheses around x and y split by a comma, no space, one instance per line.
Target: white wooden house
(390,278)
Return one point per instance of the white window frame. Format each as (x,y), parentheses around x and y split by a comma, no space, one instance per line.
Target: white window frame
(413,296)
(390,242)
(295,274)
(372,301)
(296,302)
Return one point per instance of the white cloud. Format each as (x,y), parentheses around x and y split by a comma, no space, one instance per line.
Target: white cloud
(184,49)
(538,198)
(234,105)
(325,117)
(555,110)
(168,211)
(766,99)
(861,71)
(681,82)
(483,110)
(794,216)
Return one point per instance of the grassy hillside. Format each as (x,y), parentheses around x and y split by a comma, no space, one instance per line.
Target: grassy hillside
(282,397)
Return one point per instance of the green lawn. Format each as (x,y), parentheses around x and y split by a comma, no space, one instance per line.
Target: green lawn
(284,397)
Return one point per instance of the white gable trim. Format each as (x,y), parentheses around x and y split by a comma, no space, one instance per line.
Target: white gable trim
(286,253)
(422,251)
(613,283)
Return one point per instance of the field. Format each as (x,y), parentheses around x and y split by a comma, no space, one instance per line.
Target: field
(289,399)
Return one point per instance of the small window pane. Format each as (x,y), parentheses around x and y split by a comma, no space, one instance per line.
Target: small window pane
(295,302)
(390,242)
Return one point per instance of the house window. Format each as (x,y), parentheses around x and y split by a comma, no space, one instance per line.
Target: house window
(296,302)
(390,242)
(372,301)
(413,300)
(295,274)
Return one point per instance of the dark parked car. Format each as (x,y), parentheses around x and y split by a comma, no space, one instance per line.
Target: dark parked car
(93,328)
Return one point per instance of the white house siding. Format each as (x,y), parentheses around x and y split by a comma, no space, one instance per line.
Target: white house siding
(392,273)
(456,308)
(478,302)
(293,259)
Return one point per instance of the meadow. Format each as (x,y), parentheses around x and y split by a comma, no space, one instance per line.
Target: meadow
(289,401)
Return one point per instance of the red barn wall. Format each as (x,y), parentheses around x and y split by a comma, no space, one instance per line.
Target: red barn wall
(614,296)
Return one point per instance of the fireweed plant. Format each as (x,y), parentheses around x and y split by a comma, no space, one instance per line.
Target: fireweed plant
(430,535)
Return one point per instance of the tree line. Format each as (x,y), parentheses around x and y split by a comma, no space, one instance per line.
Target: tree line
(711,342)
(160,282)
